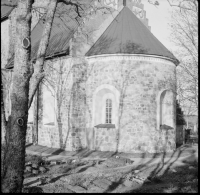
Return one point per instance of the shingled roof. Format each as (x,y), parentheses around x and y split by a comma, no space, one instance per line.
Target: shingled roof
(5,12)
(63,28)
(128,35)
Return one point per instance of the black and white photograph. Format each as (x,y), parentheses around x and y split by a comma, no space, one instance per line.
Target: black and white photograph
(99,96)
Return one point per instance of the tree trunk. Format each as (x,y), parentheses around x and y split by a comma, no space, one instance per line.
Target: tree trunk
(38,67)
(12,179)
(3,117)
(35,119)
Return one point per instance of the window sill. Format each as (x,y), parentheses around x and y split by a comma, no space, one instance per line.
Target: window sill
(111,126)
(166,127)
(50,124)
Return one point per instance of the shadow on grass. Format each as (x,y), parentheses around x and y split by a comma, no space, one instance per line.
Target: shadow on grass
(70,170)
(57,152)
(33,189)
(114,185)
(161,173)
(184,180)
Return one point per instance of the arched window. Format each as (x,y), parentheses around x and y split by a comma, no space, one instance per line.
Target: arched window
(108,111)
(101,94)
(166,109)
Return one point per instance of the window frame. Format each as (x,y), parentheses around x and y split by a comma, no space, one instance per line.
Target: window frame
(108,111)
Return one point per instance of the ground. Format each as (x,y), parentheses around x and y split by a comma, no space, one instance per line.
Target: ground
(166,173)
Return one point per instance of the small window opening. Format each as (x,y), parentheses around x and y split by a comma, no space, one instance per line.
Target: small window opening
(108,111)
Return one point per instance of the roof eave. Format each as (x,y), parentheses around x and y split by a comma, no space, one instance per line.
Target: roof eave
(4,18)
(11,65)
(173,60)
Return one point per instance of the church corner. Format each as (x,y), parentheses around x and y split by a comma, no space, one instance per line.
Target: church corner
(112,91)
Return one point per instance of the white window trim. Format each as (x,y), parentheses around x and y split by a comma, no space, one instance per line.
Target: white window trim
(159,107)
(117,98)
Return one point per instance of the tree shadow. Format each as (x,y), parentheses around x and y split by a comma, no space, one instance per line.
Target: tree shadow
(70,170)
(114,185)
(162,169)
(32,182)
(181,179)
(57,152)
(34,189)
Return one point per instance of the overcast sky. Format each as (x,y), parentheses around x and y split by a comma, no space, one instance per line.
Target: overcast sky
(159,17)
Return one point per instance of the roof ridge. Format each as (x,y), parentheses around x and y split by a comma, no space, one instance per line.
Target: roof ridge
(104,31)
(139,40)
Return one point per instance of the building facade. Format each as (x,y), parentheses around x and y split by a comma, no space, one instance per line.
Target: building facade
(113,92)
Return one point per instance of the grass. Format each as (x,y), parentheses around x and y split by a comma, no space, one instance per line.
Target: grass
(35,159)
(185,180)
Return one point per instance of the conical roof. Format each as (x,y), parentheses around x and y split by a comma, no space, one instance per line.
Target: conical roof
(128,35)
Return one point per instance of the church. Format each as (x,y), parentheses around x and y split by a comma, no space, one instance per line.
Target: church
(110,84)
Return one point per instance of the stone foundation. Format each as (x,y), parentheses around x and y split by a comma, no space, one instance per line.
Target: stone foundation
(49,136)
(105,139)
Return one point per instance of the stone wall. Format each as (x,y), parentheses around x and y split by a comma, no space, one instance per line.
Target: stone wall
(140,81)
(78,104)
(67,131)
(105,139)
(48,136)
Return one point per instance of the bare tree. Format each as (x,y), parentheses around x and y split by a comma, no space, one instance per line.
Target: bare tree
(21,96)
(27,75)
(12,177)
(59,83)
(4,85)
(181,4)
(184,28)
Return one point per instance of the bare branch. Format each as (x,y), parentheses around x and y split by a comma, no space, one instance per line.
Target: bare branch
(181,5)
(8,3)
(76,5)
(39,71)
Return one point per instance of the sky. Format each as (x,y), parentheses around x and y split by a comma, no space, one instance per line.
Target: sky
(159,17)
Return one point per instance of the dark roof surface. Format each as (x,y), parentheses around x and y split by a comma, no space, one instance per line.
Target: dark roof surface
(63,28)
(5,11)
(65,24)
(128,35)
